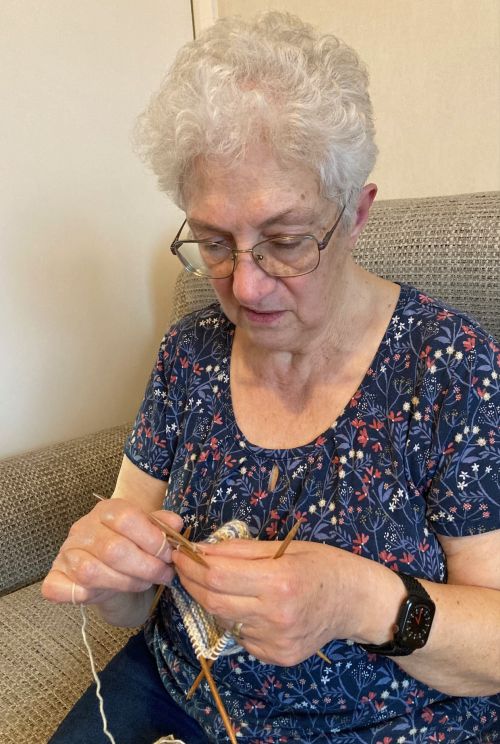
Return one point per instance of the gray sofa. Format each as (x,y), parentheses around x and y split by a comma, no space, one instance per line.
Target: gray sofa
(447,246)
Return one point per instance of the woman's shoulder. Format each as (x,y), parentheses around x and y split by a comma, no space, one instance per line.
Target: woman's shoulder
(435,320)
(201,336)
(418,302)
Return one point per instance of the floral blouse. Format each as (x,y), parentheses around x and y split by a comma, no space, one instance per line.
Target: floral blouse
(415,453)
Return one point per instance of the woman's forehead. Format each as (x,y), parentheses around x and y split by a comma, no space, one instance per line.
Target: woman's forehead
(258,183)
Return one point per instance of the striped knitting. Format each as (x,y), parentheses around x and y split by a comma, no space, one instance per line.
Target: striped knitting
(207,637)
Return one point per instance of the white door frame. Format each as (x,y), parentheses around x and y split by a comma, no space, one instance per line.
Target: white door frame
(205,13)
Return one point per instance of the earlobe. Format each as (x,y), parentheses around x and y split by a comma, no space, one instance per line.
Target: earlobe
(365,200)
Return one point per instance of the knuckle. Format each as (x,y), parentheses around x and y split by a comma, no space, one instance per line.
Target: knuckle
(113,551)
(84,570)
(212,604)
(121,519)
(286,588)
(75,527)
(215,578)
(283,618)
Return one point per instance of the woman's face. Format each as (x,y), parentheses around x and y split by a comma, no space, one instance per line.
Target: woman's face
(252,202)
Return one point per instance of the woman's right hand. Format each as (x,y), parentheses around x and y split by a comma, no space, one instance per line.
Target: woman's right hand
(113,549)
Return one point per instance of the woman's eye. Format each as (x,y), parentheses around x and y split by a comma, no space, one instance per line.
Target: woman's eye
(214,246)
(291,242)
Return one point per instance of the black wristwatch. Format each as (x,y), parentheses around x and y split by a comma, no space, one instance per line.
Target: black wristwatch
(413,624)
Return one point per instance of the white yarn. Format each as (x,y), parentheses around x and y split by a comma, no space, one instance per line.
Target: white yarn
(95,675)
(164,740)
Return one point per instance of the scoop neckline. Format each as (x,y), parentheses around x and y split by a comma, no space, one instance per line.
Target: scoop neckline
(328,434)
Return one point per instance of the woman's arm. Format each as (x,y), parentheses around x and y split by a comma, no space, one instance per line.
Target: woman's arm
(293,606)
(114,555)
(462,655)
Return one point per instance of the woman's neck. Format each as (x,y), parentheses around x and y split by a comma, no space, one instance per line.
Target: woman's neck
(354,330)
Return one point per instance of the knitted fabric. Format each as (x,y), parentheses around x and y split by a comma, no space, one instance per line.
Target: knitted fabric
(207,637)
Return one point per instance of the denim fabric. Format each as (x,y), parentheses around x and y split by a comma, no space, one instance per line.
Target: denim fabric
(137,706)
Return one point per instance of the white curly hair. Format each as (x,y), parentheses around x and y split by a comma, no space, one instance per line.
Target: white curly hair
(273,80)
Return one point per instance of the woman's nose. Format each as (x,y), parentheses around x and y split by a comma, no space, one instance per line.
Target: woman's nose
(250,282)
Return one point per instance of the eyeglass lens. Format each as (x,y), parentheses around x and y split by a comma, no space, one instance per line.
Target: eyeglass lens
(286,256)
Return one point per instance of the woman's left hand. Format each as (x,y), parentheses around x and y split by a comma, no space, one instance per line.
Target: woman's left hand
(288,607)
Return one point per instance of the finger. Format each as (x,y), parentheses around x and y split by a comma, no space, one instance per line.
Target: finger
(119,553)
(57,587)
(247,549)
(171,518)
(90,572)
(125,519)
(231,575)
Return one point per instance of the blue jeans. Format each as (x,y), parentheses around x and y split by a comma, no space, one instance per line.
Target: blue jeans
(138,708)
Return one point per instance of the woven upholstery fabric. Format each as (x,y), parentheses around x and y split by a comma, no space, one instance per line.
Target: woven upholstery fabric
(44,664)
(447,246)
(43,492)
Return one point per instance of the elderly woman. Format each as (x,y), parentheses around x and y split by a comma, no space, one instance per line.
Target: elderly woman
(312,393)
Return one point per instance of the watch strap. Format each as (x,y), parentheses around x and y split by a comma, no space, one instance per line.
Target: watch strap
(395,648)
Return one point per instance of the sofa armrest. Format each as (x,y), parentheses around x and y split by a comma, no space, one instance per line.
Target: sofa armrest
(43,492)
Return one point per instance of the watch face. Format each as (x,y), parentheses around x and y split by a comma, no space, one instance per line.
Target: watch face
(416,623)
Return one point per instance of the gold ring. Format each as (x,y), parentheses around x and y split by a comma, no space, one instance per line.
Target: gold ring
(236,630)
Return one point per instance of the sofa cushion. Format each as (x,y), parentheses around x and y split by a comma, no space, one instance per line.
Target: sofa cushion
(43,492)
(45,667)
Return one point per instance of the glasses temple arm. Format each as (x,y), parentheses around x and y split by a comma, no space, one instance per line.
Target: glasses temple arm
(174,242)
(329,234)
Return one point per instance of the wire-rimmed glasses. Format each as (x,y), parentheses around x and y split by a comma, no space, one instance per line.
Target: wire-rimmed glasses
(279,255)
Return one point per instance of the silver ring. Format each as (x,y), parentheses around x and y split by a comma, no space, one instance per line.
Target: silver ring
(236,630)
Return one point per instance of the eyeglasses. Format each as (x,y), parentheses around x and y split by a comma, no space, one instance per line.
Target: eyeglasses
(281,255)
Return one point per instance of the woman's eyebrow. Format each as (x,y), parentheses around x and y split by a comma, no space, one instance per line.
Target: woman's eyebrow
(293,216)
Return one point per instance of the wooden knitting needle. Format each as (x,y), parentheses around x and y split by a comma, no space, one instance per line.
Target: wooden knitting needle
(179,541)
(173,537)
(161,587)
(283,546)
(215,694)
(288,539)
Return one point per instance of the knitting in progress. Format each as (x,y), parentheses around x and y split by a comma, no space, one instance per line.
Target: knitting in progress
(208,639)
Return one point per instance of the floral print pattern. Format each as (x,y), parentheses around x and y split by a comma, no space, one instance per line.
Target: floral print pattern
(414,454)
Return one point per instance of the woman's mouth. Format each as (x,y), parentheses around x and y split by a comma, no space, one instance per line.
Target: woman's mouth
(262,317)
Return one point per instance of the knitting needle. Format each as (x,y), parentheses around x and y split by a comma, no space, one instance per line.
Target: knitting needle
(283,546)
(179,541)
(288,539)
(161,587)
(215,694)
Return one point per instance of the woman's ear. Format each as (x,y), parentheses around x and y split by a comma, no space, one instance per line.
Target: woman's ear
(365,201)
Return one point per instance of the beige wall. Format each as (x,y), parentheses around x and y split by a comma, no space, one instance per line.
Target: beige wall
(85,275)
(85,279)
(435,82)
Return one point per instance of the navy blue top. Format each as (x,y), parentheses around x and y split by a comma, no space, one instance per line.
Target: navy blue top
(415,453)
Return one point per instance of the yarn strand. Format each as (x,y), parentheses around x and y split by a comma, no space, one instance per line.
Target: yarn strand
(95,675)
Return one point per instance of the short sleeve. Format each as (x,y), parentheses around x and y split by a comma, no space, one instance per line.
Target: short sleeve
(464,494)
(153,439)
